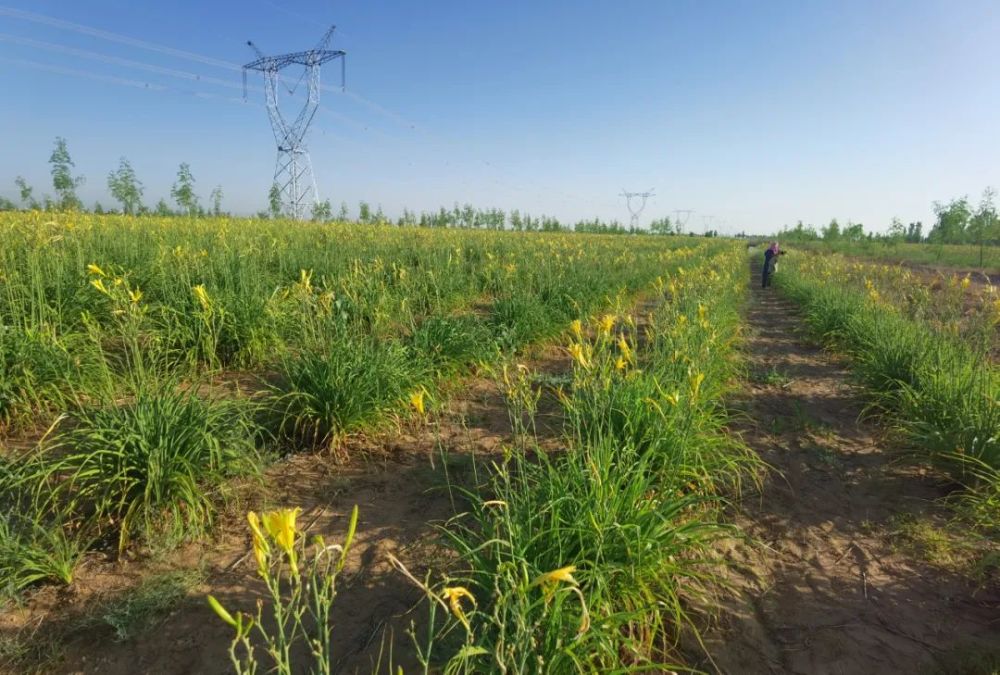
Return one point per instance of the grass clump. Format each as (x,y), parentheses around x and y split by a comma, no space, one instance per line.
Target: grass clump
(153,467)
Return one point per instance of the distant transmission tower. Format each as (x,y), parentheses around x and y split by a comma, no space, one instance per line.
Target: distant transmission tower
(636,211)
(680,223)
(293,174)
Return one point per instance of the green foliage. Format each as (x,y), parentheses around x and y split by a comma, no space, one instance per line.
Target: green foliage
(182,191)
(941,392)
(586,560)
(125,187)
(63,181)
(151,466)
(337,390)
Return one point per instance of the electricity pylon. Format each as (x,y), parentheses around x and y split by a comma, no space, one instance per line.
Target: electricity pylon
(678,223)
(293,174)
(635,212)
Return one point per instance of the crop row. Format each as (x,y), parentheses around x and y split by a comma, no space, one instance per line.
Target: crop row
(922,370)
(123,338)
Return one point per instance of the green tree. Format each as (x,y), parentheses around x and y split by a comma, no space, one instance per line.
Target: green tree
(162,208)
(63,181)
(125,187)
(982,225)
(364,212)
(952,222)
(343,215)
(25,191)
(216,198)
(832,231)
(274,201)
(662,226)
(897,232)
(182,191)
(322,211)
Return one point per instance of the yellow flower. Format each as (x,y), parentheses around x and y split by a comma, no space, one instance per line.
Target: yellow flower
(563,574)
(94,269)
(454,595)
(417,401)
(136,295)
(702,311)
(576,328)
(624,348)
(696,381)
(606,323)
(261,548)
(965,282)
(577,352)
(621,363)
(673,398)
(202,296)
(99,285)
(280,525)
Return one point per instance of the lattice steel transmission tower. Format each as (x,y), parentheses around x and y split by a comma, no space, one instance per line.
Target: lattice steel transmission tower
(679,223)
(293,174)
(635,212)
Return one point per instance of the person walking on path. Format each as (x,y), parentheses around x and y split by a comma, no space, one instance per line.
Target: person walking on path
(770,261)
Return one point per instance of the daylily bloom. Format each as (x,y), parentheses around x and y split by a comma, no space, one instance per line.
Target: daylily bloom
(202,296)
(606,323)
(563,574)
(261,548)
(577,352)
(417,401)
(576,328)
(94,269)
(280,525)
(454,595)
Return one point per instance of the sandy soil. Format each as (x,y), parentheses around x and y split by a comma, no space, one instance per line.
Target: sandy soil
(400,482)
(825,587)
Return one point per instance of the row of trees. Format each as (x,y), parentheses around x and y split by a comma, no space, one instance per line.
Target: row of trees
(956,222)
(123,185)
(127,190)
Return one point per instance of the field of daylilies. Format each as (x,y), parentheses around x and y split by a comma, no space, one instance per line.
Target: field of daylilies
(150,368)
(926,353)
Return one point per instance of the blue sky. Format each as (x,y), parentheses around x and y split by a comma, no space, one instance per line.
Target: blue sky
(752,114)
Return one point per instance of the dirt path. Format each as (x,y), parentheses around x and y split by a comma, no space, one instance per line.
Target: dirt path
(829,587)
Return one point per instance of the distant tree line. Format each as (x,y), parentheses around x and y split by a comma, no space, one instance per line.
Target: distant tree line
(956,222)
(127,190)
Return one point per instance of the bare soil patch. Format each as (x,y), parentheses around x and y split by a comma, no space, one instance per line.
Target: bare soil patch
(823,583)
(400,482)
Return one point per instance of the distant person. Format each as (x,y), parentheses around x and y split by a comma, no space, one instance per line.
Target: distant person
(770,263)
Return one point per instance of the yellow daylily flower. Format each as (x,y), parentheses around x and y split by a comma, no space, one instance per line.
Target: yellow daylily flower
(606,323)
(454,595)
(280,525)
(576,327)
(94,269)
(696,381)
(621,363)
(261,548)
(136,295)
(99,285)
(417,401)
(577,352)
(561,575)
(202,296)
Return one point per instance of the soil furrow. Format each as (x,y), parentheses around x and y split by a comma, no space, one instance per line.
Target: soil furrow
(825,587)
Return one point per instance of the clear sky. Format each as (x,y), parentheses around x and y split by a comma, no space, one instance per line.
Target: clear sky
(756,114)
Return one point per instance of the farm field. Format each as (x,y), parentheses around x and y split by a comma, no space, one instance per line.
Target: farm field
(534,452)
(963,258)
